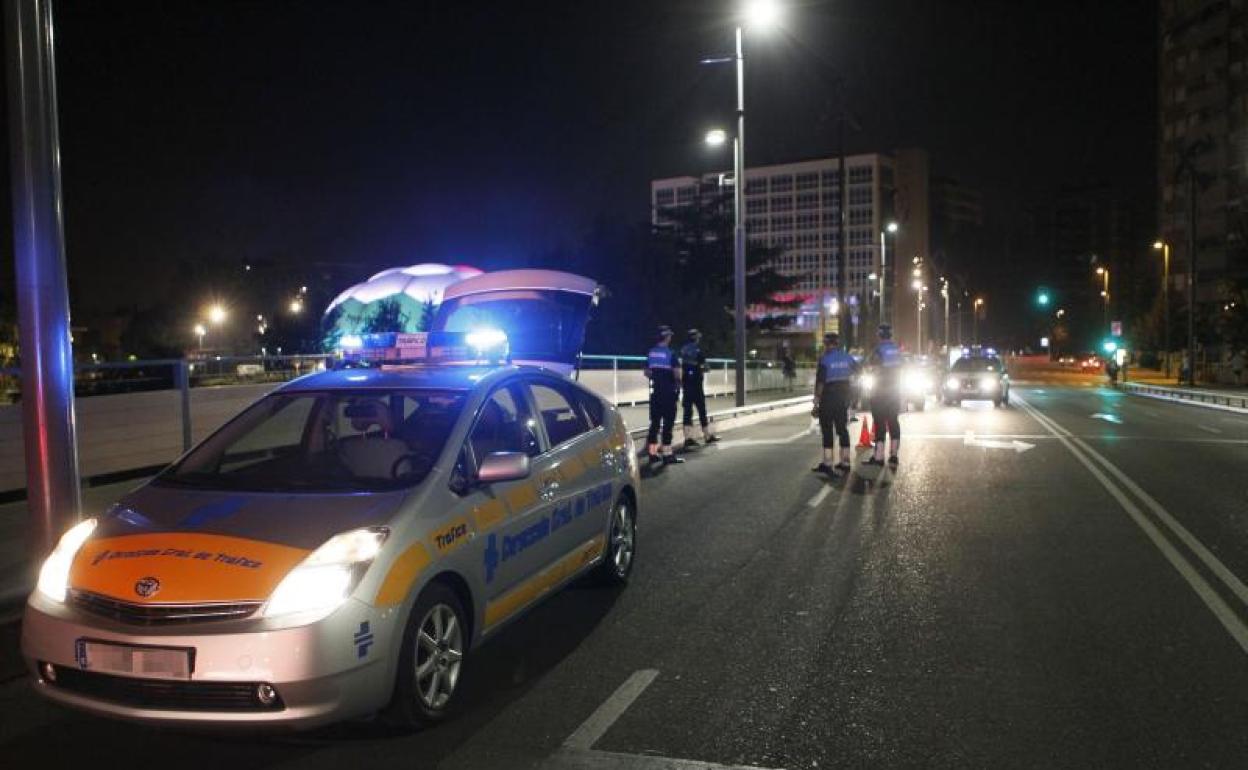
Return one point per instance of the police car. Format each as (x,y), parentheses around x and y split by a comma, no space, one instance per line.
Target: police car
(339,547)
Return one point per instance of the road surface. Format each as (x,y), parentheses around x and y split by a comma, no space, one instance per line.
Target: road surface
(1056,584)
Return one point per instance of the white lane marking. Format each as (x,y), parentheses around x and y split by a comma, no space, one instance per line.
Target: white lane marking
(1208,429)
(969,439)
(611,709)
(729,444)
(1221,610)
(1107,418)
(570,759)
(819,497)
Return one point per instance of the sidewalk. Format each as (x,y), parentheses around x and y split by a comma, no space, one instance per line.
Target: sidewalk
(1154,384)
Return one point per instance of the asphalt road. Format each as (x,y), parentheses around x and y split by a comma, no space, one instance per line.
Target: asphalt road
(1036,586)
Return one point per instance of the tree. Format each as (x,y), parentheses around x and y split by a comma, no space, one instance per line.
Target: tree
(426,316)
(388,317)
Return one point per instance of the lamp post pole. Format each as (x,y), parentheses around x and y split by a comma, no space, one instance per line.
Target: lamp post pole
(738,242)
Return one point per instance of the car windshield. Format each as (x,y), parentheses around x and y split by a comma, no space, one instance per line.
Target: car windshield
(977,365)
(374,440)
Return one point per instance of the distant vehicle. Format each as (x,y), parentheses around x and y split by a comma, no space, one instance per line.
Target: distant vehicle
(1090,363)
(977,378)
(918,381)
(338,548)
(1067,360)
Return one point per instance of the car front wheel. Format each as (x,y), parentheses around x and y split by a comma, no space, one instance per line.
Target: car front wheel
(431,661)
(621,550)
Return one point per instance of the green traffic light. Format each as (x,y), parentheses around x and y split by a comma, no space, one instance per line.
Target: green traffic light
(1043,298)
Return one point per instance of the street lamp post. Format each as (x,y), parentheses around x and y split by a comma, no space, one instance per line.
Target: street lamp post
(944,292)
(1104,273)
(919,288)
(1165,296)
(979,302)
(891,228)
(200,331)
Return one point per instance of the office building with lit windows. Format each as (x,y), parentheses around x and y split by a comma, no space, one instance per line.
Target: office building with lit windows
(796,206)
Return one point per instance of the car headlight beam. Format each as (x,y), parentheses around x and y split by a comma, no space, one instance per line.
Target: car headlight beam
(867,382)
(952,383)
(987,383)
(54,574)
(324,580)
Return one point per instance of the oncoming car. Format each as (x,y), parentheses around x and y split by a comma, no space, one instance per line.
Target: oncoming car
(979,377)
(338,548)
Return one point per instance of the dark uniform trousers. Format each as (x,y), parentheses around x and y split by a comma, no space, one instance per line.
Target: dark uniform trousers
(663,395)
(694,396)
(885,406)
(833,413)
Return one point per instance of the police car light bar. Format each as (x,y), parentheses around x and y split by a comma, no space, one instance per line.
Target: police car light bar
(479,346)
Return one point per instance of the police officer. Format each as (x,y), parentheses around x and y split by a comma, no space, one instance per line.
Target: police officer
(692,375)
(886,397)
(833,380)
(663,371)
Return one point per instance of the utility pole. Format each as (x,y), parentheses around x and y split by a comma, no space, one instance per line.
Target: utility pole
(842,269)
(42,288)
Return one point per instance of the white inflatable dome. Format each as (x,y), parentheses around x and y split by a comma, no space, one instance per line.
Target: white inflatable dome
(414,288)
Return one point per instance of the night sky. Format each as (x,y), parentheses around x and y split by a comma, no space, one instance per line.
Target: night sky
(381,133)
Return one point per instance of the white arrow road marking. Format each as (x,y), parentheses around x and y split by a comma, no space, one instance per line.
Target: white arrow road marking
(819,497)
(1107,418)
(968,439)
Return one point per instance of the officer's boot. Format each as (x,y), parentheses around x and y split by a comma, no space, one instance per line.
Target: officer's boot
(690,441)
(652,453)
(825,465)
(709,434)
(892,458)
(877,454)
(843,465)
(669,458)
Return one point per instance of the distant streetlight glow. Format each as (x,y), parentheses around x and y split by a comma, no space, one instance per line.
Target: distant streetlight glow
(296,306)
(1158,245)
(892,227)
(216,315)
(716,137)
(762,14)
(200,329)
(916,284)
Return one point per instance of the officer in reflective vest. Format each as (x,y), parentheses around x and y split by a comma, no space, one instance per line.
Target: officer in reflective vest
(663,371)
(833,379)
(886,397)
(692,375)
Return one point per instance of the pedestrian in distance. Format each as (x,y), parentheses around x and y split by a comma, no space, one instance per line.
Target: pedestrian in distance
(788,366)
(692,378)
(833,378)
(663,371)
(1237,367)
(886,361)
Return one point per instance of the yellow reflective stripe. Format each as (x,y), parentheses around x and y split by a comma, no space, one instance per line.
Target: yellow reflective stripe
(489,514)
(403,572)
(532,589)
(570,468)
(521,497)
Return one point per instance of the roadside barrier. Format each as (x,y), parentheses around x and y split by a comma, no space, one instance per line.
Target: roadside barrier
(1207,398)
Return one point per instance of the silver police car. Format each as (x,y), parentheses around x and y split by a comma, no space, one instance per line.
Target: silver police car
(338,548)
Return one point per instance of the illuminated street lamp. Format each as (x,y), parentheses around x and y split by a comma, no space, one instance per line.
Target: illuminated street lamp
(759,15)
(216,315)
(716,137)
(200,331)
(889,229)
(1164,248)
(1104,273)
(296,306)
(979,302)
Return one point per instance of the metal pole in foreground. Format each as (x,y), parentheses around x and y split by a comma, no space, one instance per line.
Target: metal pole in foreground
(42,288)
(738,242)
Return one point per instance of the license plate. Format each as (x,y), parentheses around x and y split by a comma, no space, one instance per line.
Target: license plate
(141,661)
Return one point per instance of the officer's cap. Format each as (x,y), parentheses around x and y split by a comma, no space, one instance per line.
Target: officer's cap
(665,331)
(694,333)
(886,331)
(831,338)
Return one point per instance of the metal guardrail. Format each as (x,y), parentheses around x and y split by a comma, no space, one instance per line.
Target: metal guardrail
(742,411)
(1194,397)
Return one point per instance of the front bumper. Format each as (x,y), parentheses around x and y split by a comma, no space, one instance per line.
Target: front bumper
(973,393)
(317,669)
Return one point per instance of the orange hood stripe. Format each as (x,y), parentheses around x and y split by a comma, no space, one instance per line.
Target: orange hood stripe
(190,567)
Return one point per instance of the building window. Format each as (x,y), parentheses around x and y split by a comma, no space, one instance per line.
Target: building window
(783,203)
(782,183)
(807,181)
(755,186)
(685,194)
(860,174)
(784,222)
(665,196)
(808,200)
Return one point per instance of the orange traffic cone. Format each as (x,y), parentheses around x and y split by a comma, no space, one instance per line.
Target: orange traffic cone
(865,437)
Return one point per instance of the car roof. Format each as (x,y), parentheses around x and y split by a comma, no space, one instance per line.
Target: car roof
(413,376)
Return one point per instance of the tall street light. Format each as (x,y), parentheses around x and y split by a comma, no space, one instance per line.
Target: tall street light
(1104,273)
(760,14)
(200,331)
(979,302)
(919,288)
(889,229)
(944,292)
(1164,248)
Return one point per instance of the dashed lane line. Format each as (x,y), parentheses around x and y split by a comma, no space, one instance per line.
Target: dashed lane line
(577,751)
(1225,614)
(1208,429)
(819,497)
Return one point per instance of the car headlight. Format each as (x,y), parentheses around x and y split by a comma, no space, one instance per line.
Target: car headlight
(952,383)
(54,574)
(325,579)
(867,382)
(987,383)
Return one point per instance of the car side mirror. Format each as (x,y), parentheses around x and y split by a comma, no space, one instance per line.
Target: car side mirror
(503,466)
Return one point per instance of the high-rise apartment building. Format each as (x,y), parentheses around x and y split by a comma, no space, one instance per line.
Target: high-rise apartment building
(796,207)
(1203,100)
